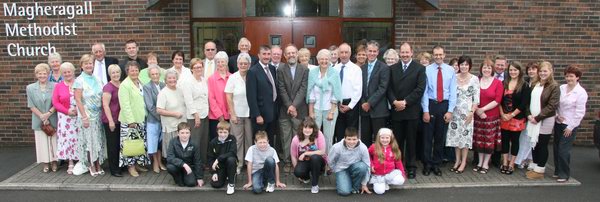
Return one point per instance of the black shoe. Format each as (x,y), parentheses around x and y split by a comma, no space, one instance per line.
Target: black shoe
(426,171)
(437,171)
(117,174)
(411,174)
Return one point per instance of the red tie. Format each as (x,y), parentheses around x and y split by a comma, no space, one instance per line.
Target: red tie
(440,85)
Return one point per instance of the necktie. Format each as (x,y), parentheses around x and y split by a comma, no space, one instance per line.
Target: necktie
(342,73)
(101,74)
(210,69)
(293,73)
(369,70)
(272,82)
(404,67)
(498,76)
(440,85)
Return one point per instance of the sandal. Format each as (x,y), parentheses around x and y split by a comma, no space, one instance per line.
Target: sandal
(510,171)
(70,169)
(459,171)
(45,169)
(453,169)
(483,171)
(92,173)
(503,169)
(477,169)
(54,166)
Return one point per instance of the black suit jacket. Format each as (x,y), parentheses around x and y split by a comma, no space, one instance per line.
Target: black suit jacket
(233,62)
(110,61)
(260,94)
(374,91)
(407,85)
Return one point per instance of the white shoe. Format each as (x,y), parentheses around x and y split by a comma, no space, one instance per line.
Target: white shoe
(387,187)
(270,187)
(304,181)
(314,189)
(230,189)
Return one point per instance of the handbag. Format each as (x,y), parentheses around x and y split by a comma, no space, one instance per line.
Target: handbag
(48,129)
(133,147)
(513,124)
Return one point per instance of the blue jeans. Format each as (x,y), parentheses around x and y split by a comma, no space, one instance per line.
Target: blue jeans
(267,172)
(350,179)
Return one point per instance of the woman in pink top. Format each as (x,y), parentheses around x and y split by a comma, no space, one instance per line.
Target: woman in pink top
(308,153)
(569,114)
(386,162)
(217,101)
(63,101)
(486,129)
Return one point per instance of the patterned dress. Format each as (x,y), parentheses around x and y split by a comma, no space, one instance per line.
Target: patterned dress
(90,140)
(67,134)
(460,134)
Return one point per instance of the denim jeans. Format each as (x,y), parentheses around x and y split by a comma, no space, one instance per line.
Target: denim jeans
(267,172)
(350,179)
(562,150)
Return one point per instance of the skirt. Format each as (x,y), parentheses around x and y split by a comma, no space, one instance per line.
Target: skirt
(66,137)
(133,133)
(90,143)
(45,147)
(166,139)
(486,135)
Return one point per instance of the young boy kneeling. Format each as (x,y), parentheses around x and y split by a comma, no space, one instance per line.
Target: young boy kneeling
(349,159)
(262,165)
(222,151)
(183,159)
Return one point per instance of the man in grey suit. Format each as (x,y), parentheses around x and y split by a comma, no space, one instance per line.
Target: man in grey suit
(374,109)
(291,84)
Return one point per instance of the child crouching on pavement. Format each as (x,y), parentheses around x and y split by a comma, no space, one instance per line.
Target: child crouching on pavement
(386,162)
(222,151)
(349,160)
(262,165)
(183,159)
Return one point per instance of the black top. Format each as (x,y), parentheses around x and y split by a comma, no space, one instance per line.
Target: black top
(517,100)
(221,150)
(177,155)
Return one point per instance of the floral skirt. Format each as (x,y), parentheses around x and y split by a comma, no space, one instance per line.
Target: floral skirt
(133,133)
(486,135)
(66,134)
(90,143)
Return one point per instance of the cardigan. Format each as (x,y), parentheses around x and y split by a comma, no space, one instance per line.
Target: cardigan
(319,141)
(42,101)
(131,101)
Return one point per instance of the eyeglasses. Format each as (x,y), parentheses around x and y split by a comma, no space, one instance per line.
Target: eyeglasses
(210,49)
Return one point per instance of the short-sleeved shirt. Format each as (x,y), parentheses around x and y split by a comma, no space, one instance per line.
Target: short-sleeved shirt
(258,157)
(237,86)
(171,100)
(114,106)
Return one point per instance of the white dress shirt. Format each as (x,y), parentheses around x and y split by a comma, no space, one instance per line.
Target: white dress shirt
(100,71)
(352,82)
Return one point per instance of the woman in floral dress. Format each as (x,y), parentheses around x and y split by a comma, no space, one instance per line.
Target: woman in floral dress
(63,99)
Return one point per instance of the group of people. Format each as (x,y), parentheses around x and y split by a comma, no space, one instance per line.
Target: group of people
(350,119)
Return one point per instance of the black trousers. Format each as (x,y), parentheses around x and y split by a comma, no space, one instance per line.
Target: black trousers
(113,146)
(226,172)
(510,142)
(540,152)
(434,134)
(310,169)
(345,120)
(180,177)
(405,132)
(369,128)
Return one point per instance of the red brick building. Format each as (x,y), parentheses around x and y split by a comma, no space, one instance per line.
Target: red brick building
(562,32)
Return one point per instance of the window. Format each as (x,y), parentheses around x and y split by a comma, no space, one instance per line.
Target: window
(317,8)
(268,8)
(213,9)
(356,33)
(368,9)
(228,33)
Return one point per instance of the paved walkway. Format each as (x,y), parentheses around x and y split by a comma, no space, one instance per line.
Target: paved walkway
(31,178)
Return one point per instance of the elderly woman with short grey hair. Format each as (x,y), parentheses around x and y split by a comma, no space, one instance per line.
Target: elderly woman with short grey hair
(39,101)
(153,127)
(323,94)
(170,105)
(54,60)
(391,57)
(63,100)
(216,94)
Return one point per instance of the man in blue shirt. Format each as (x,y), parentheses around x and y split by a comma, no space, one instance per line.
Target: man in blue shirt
(438,103)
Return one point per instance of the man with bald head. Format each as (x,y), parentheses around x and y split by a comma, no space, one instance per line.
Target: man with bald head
(351,78)
(210,66)
(407,84)
(244,46)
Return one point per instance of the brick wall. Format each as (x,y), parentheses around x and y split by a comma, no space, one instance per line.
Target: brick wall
(562,32)
(112,22)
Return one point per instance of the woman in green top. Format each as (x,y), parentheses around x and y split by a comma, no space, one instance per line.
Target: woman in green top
(132,117)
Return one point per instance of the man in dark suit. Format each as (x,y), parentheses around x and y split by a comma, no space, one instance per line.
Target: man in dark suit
(374,108)
(102,62)
(292,79)
(244,46)
(261,93)
(407,84)
(132,49)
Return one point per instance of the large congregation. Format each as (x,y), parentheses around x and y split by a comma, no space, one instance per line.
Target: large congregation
(360,118)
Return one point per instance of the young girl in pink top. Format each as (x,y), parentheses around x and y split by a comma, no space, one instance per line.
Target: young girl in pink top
(308,153)
(386,162)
